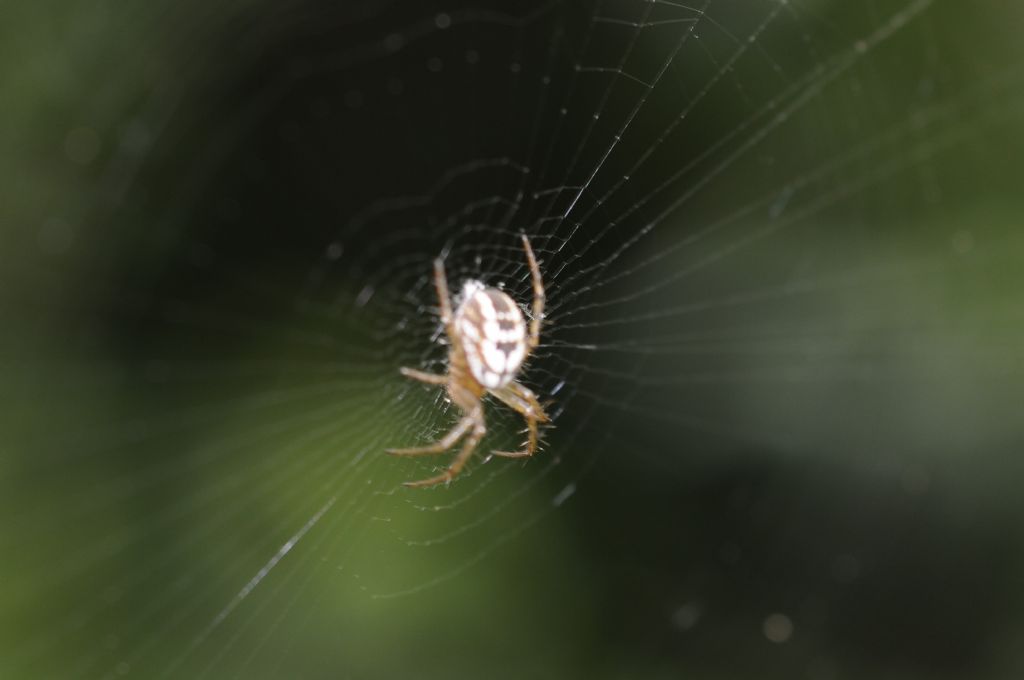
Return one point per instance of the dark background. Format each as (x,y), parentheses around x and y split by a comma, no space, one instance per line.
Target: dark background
(784,356)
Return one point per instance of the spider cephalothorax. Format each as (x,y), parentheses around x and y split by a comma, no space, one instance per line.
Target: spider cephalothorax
(488,344)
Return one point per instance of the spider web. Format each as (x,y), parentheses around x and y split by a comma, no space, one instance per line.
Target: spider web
(762,231)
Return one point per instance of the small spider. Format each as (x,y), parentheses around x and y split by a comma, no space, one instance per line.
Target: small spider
(489,343)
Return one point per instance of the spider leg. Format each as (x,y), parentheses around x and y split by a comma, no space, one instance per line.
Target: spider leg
(429,378)
(538,296)
(476,418)
(521,399)
(443,298)
(531,442)
(524,402)
(440,446)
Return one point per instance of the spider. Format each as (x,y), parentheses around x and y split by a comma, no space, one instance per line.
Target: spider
(489,343)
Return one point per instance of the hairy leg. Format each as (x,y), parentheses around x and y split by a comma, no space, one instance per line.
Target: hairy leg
(475,435)
(429,378)
(443,299)
(538,296)
(523,401)
(440,446)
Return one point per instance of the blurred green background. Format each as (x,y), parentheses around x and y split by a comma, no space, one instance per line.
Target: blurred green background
(784,347)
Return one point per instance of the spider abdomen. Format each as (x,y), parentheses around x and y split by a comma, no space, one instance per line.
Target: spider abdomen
(492,334)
